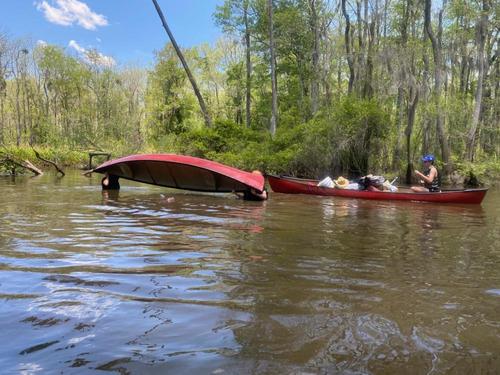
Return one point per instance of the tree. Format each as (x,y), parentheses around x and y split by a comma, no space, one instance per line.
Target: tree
(274,85)
(482,30)
(438,81)
(4,63)
(168,104)
(234,17)
(314,24)
(348,47)
(201,101)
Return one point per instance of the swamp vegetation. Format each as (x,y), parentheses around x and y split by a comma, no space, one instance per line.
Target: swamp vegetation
(302,87)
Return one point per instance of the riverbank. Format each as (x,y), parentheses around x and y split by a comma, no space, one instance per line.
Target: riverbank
(484,173)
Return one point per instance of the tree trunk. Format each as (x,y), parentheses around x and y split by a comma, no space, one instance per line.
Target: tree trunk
(463,71)
(481,38)
(18,113)
(385,17)
(203,107)
(360,63)
(2,118)
(412,109)
(315,57)
(347,41)
(274,108)
(438,66)
(367,87)
(248,94)
(403,78)
(399,125)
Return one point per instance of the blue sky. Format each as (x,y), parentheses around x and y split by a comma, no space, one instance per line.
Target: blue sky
(128,31)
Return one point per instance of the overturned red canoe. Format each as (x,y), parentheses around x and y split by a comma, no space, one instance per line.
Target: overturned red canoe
(182,172)
(291,185)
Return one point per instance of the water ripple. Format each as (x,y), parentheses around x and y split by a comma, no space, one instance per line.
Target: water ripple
(132,283)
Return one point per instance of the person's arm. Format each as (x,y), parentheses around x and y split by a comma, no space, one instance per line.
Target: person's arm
(429,178)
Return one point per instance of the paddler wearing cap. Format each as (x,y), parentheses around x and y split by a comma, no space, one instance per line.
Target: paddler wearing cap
(429,178)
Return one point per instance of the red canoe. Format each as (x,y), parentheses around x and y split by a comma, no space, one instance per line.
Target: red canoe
(182,172)
(291,185)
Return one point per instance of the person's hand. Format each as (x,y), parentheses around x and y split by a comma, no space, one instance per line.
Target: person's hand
(418,173)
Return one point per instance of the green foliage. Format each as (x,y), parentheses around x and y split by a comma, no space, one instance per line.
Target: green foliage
(335,142)
(328,143)
(483,172)
(166,97)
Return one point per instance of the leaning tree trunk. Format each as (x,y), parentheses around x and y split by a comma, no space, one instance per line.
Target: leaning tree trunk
(274,114)
(481,39)
(438,66)
(203,107)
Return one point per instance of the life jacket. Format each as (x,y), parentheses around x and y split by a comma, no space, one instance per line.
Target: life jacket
(434,185)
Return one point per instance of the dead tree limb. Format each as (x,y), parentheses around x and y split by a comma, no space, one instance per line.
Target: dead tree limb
(26,164)
(37,154)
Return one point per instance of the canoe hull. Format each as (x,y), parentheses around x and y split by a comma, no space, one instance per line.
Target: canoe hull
(288,185)
(182,172)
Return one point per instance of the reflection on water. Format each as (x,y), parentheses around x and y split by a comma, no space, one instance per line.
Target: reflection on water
(138,283)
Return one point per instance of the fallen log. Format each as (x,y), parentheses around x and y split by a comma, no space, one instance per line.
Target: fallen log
(26,164)
(59,170)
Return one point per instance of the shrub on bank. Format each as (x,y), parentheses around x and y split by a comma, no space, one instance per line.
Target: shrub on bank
(484,172)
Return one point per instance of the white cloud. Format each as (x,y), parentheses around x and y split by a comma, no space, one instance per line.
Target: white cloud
(78,48)
(98,40)
(92,56)
(68,12)
(41,43)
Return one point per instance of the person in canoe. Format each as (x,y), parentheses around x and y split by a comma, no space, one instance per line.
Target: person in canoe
(429,178)
(110,182)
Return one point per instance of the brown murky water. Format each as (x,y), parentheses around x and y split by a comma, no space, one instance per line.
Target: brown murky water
(212,285)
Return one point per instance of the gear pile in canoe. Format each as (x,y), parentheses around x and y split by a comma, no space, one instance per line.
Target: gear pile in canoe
(183,172)
(292,185)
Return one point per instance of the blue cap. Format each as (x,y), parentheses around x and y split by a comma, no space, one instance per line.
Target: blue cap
(428,157)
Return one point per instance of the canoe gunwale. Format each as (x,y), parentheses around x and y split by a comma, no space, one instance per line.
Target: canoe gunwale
(243,178)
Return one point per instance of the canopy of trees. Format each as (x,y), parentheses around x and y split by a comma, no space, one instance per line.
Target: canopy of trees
(298,86)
